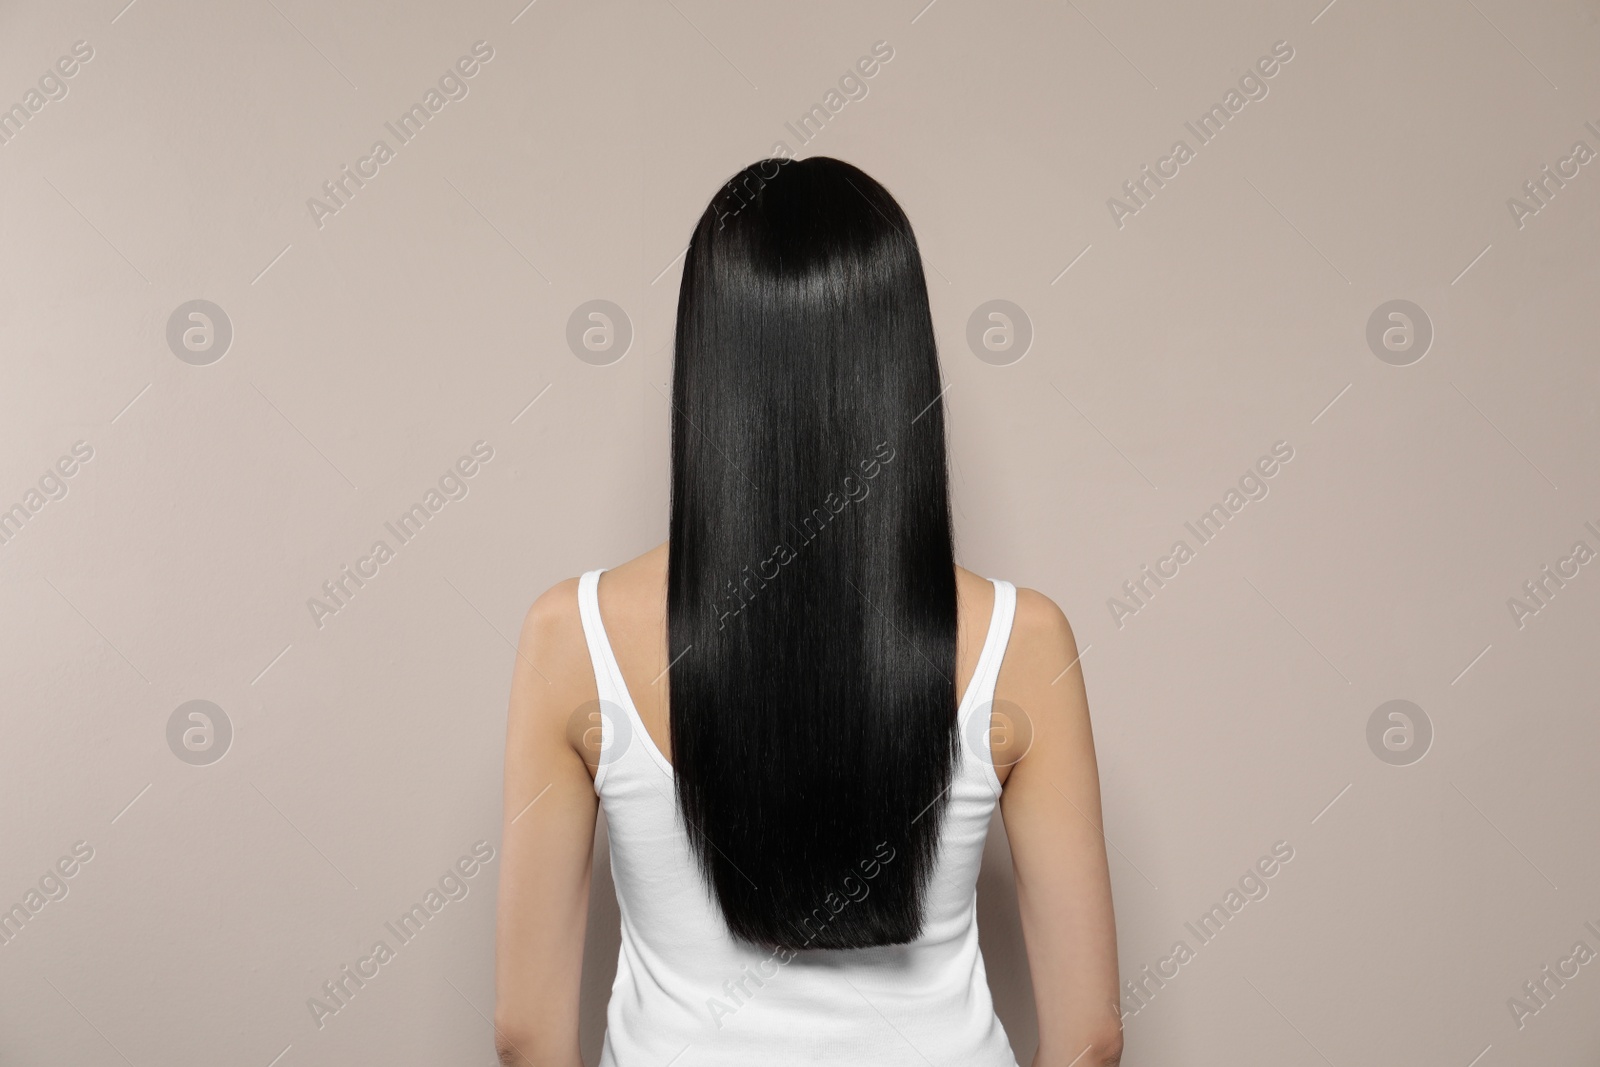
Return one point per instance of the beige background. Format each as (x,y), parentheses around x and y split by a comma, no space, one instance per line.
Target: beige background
(427,314)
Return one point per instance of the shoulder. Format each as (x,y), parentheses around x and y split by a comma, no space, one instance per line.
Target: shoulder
(1041,649)
(553,649)
(1041,638)
(1040,629)
(552,624)
(1028,700)
(1040,622)
(1041,688)
(552,672)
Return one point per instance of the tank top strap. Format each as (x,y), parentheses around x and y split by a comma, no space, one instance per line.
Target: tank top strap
(1004,614)
(594,636)
(600,658)
(977,704)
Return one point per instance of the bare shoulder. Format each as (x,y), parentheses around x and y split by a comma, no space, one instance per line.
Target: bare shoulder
(551,675)
(552,629)
(552,632)
(1041,661)
(1040,648)
(554,675)
(1041,688)
(1040,623)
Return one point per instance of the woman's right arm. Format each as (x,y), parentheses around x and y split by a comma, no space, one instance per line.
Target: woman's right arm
(548,841)
(1051,807)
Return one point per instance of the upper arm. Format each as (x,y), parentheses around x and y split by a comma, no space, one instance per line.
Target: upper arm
(1051,806)
(548,838)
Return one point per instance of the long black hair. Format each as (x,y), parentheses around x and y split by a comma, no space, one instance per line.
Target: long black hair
(811,599)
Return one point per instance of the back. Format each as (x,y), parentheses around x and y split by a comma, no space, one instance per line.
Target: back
(687,993)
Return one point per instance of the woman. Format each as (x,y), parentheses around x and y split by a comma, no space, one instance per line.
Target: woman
(796,832)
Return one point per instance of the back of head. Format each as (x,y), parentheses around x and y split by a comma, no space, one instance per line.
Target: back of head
(811,596)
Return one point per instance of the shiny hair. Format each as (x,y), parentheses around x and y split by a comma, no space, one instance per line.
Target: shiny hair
(811,598)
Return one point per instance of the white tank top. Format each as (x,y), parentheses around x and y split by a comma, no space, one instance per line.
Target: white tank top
(687,994)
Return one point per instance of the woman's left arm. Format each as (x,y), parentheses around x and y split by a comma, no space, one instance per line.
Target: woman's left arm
(1051,806)
(548,840)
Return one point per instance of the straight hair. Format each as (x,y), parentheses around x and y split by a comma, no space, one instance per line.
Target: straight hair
(811,597)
